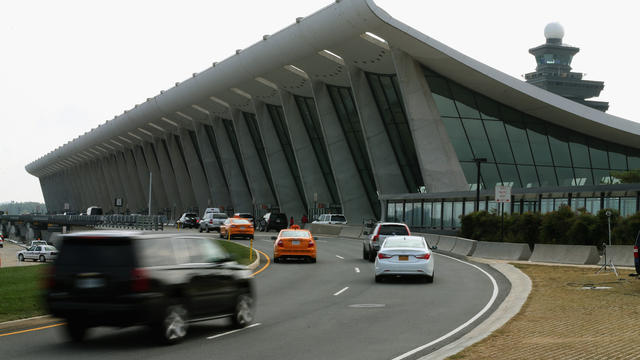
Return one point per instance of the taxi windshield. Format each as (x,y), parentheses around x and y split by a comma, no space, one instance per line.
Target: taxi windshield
(294,234)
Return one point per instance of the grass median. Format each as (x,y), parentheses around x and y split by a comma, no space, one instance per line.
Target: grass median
(571,313)
(20,292)
(239,251)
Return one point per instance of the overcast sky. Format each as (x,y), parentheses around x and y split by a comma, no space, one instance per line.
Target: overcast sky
(67,66)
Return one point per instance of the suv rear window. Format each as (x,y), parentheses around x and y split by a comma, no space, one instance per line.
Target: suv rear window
(393,230)
(281,217)
(190,215)
(338,218)
(219,216)
(103,252)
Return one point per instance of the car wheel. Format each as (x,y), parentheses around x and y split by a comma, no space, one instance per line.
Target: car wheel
(378,278)
(21,258)
(313,260)
(42,258)
(276,260)
(172,328)
(372,256)
(201,230)
(220,234)
(243,313)
(429,279)
(76,330)
(365,254)
(208,230)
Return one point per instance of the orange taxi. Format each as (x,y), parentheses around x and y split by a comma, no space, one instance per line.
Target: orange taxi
(237,228)
(294,243)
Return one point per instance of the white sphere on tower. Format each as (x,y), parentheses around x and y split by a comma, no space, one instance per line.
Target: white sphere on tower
(554,31)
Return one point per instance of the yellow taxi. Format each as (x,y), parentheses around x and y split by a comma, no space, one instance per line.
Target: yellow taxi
(294,243)
(236,228)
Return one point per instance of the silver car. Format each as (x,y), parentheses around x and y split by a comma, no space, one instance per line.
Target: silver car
(404,255)
(212,221)
(331,219)
(40,253)
(380,232)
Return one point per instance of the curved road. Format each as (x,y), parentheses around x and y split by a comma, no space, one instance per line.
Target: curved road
(329,310)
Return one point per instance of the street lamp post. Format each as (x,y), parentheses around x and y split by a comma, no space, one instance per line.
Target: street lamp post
(478,161)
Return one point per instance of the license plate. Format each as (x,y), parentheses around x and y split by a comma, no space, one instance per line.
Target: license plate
(403,257)
(295,242)
(90,283)
(242,227)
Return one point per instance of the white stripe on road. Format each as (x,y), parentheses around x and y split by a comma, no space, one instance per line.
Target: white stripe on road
(339,257)
(233,331)
(459,328)
(341,291)
(357,270)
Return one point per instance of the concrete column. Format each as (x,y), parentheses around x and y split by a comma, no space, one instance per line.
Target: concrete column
(45,186)
(286,190)
(138,190)
(166,196)
(143,174)
(110,170)
(101,183)
(78,189)
(354,201)
(111,193)
(238,188)
(439,163)
(384,164)
(215,176)
(168,178)
(198,177)
(256,176)
(310,171)
(59,190)
(92,183)
(121,171)
(183,178)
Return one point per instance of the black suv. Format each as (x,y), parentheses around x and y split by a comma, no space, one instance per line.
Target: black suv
(188,220)
(274,221)
(132,278)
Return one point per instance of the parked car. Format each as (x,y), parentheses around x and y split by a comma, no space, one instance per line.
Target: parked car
(331,219)
(406,256)
(212,210)
(273,221)
(246,216)
(235,228)
(94,210)
(38,242)
(132,278)
(294,243)
(1,240)
(187,220)
(381,231)
(40,253)
(212,221)
(636,256)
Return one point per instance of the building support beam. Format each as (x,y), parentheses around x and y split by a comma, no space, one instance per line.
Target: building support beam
(353,198)
(121,171)
(217,184)
(110,169)
(163,181)
(111,189)
(183,178)
(198,177)
(134,180)
(439,163)
(169,178)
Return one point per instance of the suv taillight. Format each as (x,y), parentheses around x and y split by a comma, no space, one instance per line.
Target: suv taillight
(139,280)
(375,238)
(310,243)
(280,243)
(210,221)
(635,252)
(383,256)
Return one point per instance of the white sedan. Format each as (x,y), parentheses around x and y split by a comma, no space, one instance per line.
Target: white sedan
(38,253)
(404,255)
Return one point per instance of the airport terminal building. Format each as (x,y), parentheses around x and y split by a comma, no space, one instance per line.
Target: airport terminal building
(351,110)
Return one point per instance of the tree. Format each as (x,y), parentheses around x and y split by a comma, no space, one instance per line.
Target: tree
(627,177)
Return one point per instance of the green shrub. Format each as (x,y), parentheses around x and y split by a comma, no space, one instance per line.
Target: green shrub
(626,230)
(555,226)
(583,230)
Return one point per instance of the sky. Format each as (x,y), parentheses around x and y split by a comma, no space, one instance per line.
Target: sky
(67,66)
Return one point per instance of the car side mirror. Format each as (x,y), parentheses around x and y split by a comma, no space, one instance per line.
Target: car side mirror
(274,238)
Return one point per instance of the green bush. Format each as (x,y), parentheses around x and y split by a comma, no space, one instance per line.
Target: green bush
(555,226)
(480,225)
(626,230)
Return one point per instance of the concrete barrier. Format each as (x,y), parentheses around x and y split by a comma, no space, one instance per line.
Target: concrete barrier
(622,255)
(566,254)
(432,239)
(446,243)
(350,231)
(465,247)
(325,229)
(502,251)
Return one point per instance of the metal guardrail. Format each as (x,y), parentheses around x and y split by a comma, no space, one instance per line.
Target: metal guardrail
(142,222)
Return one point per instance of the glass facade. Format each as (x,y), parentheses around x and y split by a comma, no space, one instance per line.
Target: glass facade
(309,115)
(387,96)
(254,131)
(345,107)
(522,151)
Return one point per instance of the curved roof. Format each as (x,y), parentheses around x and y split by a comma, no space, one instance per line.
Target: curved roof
(352,29)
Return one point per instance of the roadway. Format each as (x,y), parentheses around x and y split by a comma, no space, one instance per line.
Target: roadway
(329,310)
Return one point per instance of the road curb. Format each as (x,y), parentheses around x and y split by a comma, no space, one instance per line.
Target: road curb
(520,289)
(21,324)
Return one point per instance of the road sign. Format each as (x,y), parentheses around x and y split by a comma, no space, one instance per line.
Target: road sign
(503,194)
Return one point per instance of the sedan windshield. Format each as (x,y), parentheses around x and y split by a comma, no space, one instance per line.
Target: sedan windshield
(402,242)
(294,234)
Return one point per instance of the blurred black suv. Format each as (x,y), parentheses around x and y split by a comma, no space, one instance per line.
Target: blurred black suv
(131,278)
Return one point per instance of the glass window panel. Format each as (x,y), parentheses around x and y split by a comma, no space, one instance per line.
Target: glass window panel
(499,141)
(612,203)
(598,153)
(489,109)
(583,177)
(617,157)
(578,203)
(593,205)
(627,206)
(408,214)
(539,143)
(469,207)
(464,101)
(601,176)
(457,212)
(399,212)
(528,175)
(509,175)
(426,214)
(559,146)
(417,214)
(447,219)
(391,212)
(546,206)
(634,162)
(519,143)
(559,202)
(579,151)
(565,176)
(493,207)
(482,205)
(478,139)
(458,138)
(547,176)
(436,214)
(490,176)
(442,97)
(470,172)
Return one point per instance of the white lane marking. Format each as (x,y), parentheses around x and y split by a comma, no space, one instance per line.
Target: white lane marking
(467,323)
(357,270)
(339,257)
(233,331)
(341,291)
(322,241)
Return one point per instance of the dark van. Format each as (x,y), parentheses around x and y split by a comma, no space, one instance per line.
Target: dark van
(132,278)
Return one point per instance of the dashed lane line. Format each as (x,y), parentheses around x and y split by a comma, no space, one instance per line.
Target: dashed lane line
(233,331)
(341,291)
(339,257)
(357,269)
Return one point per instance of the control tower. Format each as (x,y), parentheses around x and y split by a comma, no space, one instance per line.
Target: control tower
(554,73)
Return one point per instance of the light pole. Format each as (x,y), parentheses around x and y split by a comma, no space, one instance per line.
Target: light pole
(478,161)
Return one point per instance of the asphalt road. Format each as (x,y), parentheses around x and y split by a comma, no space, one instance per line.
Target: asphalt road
(329,310)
